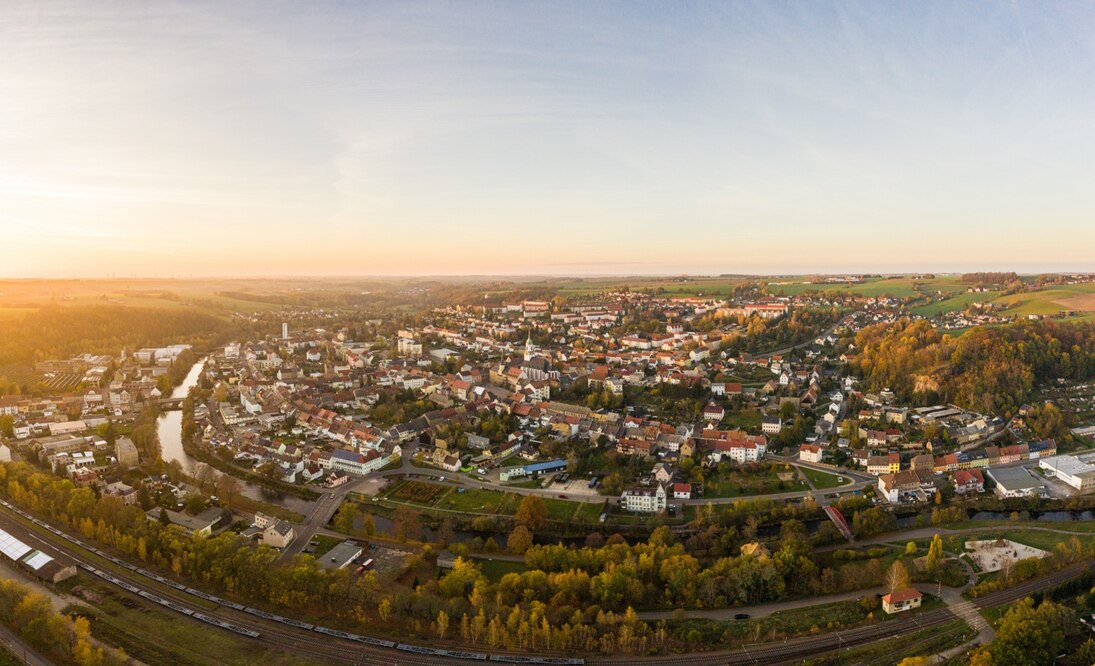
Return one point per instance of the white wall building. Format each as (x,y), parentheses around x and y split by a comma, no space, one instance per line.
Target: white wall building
(644,500)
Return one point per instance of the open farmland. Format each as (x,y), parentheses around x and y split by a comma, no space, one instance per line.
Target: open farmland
(683,287)
(1079,297)
(897,287)
(956,303)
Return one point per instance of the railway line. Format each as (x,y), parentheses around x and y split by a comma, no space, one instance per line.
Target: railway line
(339,646)
(291,634)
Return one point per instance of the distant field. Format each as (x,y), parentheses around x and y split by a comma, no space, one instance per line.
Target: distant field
(956,303)
(1051,301)
(683,287)
(898,287)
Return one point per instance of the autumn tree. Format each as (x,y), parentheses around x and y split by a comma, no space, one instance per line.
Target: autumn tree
(897,577)
(519,540)
(1027,636)
(935,553)
(346,518)
(532,513)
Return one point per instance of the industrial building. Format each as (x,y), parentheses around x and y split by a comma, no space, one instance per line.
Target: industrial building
(1075,471)
(1015,482)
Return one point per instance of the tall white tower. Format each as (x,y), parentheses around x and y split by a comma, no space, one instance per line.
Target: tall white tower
(284,331)
(530,349)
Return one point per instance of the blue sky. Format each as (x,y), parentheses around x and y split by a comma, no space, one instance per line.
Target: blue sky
(441,138)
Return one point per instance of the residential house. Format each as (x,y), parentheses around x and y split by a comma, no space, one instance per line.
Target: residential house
(811,453)
(902,600)
(644,500)
(969,481)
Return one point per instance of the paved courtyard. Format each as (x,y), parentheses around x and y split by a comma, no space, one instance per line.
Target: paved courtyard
(993,554)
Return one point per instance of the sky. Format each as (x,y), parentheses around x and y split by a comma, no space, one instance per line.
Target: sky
(408,138)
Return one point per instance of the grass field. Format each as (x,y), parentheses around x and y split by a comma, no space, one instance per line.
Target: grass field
(560,509)
(485,501)
(1079,297)
(739,483)
(476,500)
(1070,526)
(822,479)
(588,512)
(956,303)
(495,569)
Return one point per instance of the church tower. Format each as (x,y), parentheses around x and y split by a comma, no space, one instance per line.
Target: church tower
(530,348)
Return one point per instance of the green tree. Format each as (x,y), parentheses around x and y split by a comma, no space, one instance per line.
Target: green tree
(7,425)
(346,518)
(1027,636)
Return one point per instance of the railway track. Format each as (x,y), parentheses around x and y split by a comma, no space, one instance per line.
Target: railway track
(333,646)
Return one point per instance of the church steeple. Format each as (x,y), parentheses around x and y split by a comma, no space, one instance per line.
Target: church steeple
(529,347)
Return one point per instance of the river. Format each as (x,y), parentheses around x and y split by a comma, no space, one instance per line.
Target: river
(169,429)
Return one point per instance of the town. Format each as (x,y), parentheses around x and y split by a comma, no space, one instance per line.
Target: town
(473,431)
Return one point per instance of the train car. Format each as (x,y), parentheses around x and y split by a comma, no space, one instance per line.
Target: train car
(227,625)
(458,654)
(378,642)
(232,604)
(295,623)
(337,633)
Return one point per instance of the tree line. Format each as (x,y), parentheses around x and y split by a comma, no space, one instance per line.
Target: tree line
(991,370)
(64,639)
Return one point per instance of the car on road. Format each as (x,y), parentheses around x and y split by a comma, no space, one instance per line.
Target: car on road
(562,496)
(741,616)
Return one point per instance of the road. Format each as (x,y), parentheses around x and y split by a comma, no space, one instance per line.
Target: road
(468,481)
(322,512)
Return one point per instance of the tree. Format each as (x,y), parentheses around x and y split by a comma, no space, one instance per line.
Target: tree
(520,539)
(384,609)
(532,513)
(407,523)
(910,548)
(204,475)
(194,503)
(442,624)
(897,576)
(346,518)
(446,533)
(7,425)
(368,525)
(935,553)
(915,661)
(1027,636)
(228,487)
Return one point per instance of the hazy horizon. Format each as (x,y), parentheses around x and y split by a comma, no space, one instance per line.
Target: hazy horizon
(434,139)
